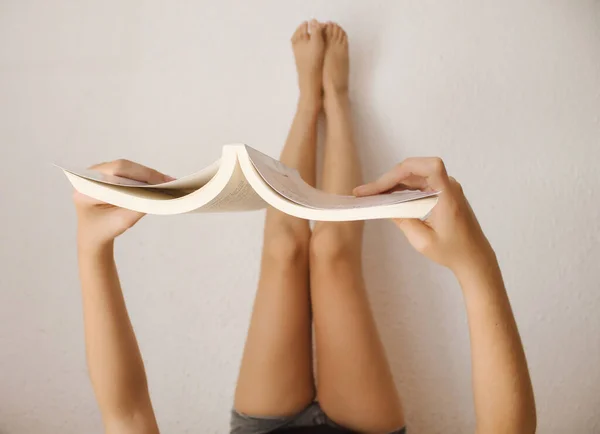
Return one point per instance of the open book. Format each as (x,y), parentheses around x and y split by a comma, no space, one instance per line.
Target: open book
(245,179)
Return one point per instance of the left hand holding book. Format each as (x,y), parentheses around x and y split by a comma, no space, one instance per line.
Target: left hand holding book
(99,222)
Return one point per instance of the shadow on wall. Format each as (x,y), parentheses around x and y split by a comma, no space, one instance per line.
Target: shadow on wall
(408,317)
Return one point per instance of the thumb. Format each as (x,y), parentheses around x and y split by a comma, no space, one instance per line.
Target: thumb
(418,234)
(126,218)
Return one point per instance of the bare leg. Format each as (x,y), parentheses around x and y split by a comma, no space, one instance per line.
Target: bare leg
(276,376)
(355,384)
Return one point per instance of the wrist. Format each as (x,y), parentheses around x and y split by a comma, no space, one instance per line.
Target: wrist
(481,267)
(93,246)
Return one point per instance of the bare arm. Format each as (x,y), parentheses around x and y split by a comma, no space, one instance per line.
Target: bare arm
(114,361)
(504,401)
(451,236)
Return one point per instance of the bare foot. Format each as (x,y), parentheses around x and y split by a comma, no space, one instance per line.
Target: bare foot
(336,63)
(309,50)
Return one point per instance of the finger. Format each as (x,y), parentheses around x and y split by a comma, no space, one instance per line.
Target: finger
(418,234)
(83,199)
(455,185)
(386,182)
(129,169)
(127,218)
(430,169)
(400,187)
(412,183)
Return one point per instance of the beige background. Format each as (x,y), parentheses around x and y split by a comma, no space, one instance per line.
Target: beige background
(508,93)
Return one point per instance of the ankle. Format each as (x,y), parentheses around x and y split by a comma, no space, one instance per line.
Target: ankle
(308,102)
(332,100)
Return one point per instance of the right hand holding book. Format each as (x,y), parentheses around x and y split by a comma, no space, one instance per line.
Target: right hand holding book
(451,234)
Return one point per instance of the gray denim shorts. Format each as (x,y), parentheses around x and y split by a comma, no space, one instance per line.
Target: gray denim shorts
(312,415)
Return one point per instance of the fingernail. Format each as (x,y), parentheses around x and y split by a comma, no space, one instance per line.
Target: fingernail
(170,178)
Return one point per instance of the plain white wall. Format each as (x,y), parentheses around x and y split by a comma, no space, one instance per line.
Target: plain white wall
(508,93)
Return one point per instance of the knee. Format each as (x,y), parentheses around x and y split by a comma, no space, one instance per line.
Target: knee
(287,245)
(335,242)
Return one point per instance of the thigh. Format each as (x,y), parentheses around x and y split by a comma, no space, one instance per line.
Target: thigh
(275,376)
(354,383)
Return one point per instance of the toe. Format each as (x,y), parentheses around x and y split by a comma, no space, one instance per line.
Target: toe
(329,31)
(343,36)
(315,27)
(304,31)
(299,31)
(335,32)
(316,31)
(340,34)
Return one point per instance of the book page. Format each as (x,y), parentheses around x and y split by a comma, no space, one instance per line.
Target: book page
(227,190)
(289,184)
(237,195)
(189,182)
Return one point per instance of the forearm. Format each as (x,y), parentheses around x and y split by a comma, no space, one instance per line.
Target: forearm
(504,401)
(114,361)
